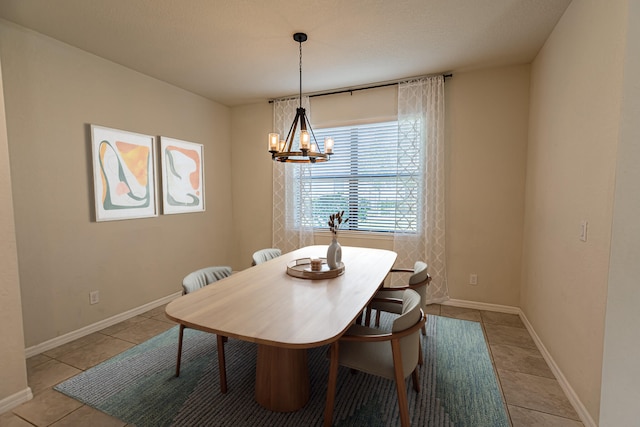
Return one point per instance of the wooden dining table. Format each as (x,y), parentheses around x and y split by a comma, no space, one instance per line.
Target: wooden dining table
(285,315)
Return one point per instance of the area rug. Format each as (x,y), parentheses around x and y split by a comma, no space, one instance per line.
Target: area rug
(458,385)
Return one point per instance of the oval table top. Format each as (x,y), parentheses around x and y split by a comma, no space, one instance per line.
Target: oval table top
(264,304)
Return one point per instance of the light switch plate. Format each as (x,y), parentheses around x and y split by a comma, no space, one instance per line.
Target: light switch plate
(583,230)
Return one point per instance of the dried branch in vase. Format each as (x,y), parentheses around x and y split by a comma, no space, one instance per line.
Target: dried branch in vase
(335,221)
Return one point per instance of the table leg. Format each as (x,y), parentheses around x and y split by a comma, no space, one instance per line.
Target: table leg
(282,378)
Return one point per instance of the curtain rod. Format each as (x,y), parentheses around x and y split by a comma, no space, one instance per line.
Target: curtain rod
(355,89)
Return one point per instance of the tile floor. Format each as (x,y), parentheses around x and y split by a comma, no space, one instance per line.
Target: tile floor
(531,392)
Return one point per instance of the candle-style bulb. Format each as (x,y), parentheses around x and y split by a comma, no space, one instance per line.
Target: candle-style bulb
(274,139)
(328,145)
(305,143)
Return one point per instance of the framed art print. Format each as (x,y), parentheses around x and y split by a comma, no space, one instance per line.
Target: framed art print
(124,174)
(182,176)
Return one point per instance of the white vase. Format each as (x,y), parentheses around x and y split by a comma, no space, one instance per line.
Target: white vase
(334,254)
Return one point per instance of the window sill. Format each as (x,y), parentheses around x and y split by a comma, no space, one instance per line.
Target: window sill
(366,235)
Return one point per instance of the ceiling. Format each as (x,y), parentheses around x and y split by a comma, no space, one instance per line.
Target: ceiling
(242,51)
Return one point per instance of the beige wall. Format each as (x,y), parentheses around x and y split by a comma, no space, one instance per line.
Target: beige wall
(13,370)
(250,181)
(486,130)
(357,107)
(573,135)
(53,92)
(621,371)
(486,133)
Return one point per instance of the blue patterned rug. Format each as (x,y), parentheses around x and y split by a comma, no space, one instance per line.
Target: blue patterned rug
(459,387)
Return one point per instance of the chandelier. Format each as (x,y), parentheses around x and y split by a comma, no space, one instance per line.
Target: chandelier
(282,150)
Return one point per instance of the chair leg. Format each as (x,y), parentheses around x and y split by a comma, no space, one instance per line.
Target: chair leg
(424,332)
(221,364)
(331,386)
(400,384)
(424,327)
(367,316)
(420,358)
(179,350)
(415,379)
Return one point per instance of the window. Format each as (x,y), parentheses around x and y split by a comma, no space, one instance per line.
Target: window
(362,179)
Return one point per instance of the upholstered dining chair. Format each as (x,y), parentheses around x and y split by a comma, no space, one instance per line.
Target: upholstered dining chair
(264,255)
(392,355)
(418,281)
(191,283)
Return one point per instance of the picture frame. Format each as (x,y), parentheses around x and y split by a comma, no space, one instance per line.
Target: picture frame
(124,174)
(182,176)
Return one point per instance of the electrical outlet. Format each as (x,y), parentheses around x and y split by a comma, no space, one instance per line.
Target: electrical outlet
(473,279)
(94,297)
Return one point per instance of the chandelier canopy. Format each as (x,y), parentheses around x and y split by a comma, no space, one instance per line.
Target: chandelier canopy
(282,150)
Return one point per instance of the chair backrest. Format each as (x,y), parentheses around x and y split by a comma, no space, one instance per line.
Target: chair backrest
(203,277)
(420,275)
(411,314)
(264,255)
(410,311)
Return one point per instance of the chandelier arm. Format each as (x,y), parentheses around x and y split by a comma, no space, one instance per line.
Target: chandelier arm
(292,133)
(312,134)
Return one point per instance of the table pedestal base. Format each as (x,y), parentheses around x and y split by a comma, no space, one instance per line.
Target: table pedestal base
(282,378)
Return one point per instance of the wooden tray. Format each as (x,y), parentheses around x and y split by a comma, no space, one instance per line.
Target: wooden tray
(302,268)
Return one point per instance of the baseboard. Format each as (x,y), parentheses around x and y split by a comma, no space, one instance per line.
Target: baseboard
(580,409)
(10,402)
(95,327)
(584,415)
(482,306)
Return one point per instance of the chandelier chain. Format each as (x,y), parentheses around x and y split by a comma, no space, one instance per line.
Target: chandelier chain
(300,68)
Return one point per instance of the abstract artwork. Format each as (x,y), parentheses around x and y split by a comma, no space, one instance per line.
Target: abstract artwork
(182,176)
(124,174)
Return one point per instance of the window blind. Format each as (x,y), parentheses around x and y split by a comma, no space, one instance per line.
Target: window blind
(362,179)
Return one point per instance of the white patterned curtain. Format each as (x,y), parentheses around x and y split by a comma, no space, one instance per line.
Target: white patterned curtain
(291,197)
(421,206)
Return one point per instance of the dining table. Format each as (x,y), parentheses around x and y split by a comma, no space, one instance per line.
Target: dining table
(286,315)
